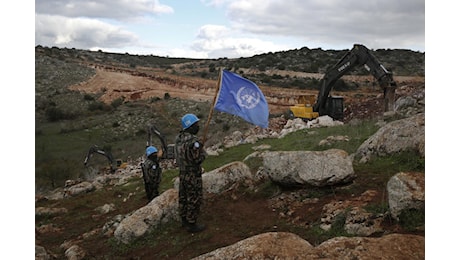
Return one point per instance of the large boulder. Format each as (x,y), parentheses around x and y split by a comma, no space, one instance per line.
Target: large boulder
(272,245)
(397,136)
(316,168)
(406,190)
(160,210)
(224,178)
(80,188)
(280,245)
(392,246)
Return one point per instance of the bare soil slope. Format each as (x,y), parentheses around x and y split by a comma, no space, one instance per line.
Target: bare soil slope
(131,85)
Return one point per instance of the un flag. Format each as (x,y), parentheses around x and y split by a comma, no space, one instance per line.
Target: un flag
(242,97)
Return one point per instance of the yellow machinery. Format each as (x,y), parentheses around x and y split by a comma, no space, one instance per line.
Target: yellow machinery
(304,108)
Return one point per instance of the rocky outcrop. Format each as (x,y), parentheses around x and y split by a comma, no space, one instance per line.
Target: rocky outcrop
(393,246)
(281,245)
(406,190)
(41,253)
(273,245)
(80,188)
(397,136)
(357,220)
(316,168)
(161,209)
(42,211)
(75,252)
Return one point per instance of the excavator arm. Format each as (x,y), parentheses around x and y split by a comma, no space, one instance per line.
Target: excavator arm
(96,149)
(359,55)
(167,150)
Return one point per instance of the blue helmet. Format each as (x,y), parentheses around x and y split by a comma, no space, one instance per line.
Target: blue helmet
(150,150)
(188,120)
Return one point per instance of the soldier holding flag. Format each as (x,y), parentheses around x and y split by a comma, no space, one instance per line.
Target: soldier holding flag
(189,156)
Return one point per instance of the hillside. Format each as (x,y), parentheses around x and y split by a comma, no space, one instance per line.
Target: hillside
(85,98)
(118,95)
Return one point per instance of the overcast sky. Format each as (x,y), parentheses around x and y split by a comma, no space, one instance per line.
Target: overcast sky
(224,28)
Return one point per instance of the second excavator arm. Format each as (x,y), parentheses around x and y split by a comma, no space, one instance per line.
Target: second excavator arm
(96,149)
(167,150)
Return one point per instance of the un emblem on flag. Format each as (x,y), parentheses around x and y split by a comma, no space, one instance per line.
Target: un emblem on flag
(247,98)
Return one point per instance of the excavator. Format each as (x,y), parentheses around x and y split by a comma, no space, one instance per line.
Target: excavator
(333,105)
(167,150)
(113,164)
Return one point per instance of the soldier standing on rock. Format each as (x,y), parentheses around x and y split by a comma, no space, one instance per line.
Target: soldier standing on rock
(189,156)
(151,172)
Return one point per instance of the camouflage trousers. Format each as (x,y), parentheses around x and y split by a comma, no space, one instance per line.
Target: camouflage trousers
(190,194)
(152,185)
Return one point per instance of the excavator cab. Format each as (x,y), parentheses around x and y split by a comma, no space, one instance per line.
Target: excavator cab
(334,107)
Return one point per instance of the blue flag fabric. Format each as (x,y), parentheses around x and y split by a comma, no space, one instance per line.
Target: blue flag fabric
(242,97)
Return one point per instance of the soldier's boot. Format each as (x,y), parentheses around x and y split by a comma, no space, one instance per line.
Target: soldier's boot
(195,228)
(192,227)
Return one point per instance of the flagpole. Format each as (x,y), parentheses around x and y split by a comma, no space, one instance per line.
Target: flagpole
(206,127)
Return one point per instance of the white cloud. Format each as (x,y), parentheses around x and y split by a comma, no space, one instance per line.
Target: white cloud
(390,23)
(218,41)
(109,9)
(80,33)
(212,31)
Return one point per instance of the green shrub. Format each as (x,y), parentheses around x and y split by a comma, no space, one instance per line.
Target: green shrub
(88,97)
(96,106)
(377,208)
(54,114)
(117,102)
(412,219)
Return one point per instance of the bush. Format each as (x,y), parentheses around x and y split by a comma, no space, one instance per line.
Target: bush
(88,97)
(54,114)
(154,99)
(411,219)
(117,102)
(96,106)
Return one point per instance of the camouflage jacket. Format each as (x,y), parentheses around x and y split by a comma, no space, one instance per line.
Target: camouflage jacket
(151,171)
(189,151)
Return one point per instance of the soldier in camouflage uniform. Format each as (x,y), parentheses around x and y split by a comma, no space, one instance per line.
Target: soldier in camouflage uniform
(189,156)
(151,172)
